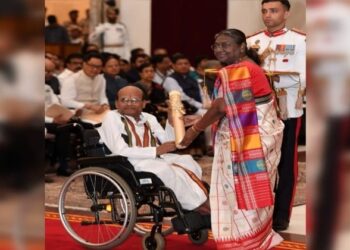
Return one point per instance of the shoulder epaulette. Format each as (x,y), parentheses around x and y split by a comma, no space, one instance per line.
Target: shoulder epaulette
(256,33)
(299,31)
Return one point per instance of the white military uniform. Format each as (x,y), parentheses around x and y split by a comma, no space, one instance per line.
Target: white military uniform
(115,38)
(188,193)
(290,55)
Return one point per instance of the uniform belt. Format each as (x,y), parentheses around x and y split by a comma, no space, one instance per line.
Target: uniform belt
(263,99)
(113,45)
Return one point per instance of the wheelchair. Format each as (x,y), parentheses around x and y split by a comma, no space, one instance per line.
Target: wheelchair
(103,202)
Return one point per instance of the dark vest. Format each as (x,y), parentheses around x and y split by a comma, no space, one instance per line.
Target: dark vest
(188,85)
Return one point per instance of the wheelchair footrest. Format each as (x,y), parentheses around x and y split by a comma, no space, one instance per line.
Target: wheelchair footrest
(191,222)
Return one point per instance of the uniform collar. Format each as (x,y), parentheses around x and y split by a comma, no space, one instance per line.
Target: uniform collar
(276,33)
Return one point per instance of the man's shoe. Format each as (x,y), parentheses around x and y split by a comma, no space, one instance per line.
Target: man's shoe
(63,172)
(280,224)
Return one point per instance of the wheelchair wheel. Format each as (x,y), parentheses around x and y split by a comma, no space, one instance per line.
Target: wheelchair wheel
(155,243)
(90,208)
(199,237)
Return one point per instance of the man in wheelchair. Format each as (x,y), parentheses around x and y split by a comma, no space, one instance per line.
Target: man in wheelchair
(131,133)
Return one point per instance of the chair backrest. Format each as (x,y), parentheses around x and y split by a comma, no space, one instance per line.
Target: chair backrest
(91,144)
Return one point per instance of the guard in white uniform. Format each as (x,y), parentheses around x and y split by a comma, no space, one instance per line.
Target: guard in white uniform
(284,50)
(139,137)
(112,35)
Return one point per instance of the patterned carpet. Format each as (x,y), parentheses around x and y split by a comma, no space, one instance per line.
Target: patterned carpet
(57,238)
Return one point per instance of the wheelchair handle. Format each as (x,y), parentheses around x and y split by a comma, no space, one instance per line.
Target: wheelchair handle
(71,126)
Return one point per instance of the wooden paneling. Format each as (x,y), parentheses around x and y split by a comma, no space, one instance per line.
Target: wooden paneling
(62,50)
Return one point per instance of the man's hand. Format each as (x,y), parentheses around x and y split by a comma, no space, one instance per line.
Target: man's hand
(61,119)
(166,148)
(98,109)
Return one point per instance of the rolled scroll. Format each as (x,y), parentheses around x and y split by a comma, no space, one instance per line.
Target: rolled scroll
(177,112)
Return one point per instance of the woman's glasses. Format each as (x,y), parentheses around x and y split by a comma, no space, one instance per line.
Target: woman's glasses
(222,46)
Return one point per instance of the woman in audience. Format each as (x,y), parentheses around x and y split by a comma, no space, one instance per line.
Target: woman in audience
(111,69)
(156,103)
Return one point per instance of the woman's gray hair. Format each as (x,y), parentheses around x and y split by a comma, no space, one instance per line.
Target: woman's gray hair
(237,35)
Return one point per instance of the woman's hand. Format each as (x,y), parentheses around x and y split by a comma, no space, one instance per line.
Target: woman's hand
(190,135)
(190,120)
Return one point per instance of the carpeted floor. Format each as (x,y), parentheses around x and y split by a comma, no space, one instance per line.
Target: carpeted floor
(57,238)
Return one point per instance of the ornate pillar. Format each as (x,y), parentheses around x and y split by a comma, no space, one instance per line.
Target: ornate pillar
(96,13)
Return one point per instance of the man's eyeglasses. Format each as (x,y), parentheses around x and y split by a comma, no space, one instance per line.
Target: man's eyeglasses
(94,66)
(131,100)
(223,46)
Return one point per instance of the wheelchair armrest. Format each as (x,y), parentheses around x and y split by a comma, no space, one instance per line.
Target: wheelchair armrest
(85,161)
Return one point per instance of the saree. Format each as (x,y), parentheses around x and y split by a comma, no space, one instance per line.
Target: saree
(240,196)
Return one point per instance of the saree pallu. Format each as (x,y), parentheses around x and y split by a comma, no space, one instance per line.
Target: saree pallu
(235,228)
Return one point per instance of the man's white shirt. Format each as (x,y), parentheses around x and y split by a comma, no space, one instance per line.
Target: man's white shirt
(171,84)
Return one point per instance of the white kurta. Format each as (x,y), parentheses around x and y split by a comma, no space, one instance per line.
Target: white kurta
(79,88)
(188,193)
(64,75)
